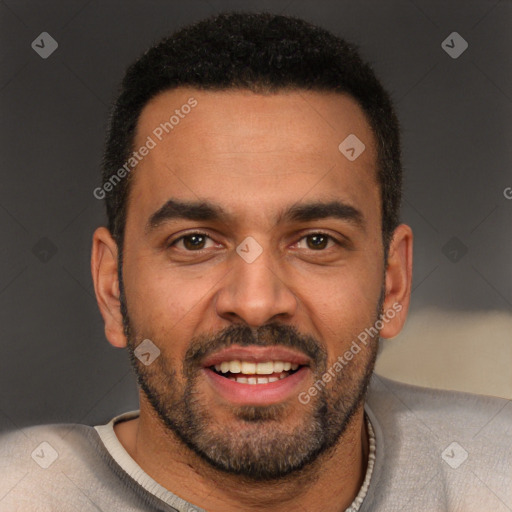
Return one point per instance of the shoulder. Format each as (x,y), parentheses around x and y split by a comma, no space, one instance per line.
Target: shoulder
(43,445)
(455,447)
(448,408)
(38,465)
(442,412)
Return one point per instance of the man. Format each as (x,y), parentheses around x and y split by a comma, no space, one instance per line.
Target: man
(253,258)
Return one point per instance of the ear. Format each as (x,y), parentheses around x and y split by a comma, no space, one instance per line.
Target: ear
(106,285)
(398,281)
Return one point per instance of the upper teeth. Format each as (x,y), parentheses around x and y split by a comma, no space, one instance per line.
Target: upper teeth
(249,368)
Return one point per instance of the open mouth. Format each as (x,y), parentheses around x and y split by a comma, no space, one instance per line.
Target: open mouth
(248,372)
(257,375)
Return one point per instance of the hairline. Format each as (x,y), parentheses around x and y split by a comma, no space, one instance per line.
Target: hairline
(264,90)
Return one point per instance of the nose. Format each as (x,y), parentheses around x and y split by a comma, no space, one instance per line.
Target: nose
(254,293)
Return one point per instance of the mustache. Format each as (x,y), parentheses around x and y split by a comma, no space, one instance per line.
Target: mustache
(268,335)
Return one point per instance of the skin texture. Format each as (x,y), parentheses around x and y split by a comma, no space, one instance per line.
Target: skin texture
(255,155)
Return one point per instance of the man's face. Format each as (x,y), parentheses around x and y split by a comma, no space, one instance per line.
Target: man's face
(258,282)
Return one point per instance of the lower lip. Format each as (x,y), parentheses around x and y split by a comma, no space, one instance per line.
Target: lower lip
(257,394)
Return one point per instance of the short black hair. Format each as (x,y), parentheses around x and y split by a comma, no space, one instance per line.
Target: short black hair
(263,53)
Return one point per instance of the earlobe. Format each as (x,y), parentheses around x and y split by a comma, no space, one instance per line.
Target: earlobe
(398,281)
(106,285)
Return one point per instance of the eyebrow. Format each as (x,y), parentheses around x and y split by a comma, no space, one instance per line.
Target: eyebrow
(175,209)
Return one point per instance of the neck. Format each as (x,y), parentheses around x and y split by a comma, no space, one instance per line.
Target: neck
(330,483)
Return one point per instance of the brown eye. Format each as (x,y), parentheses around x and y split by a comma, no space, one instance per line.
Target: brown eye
(317,241)
(192,241)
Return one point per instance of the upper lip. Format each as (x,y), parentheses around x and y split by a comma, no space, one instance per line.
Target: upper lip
(256,354)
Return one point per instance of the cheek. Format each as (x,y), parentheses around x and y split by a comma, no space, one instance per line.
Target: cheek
(341,304)
(164,301)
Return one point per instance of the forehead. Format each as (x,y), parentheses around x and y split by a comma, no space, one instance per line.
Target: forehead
(237,148)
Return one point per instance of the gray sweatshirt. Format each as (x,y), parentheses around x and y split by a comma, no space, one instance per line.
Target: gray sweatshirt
(435,451)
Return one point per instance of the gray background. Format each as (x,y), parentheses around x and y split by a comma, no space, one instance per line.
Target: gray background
(55,364)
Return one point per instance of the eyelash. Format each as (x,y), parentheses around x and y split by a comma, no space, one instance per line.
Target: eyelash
(330,237)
